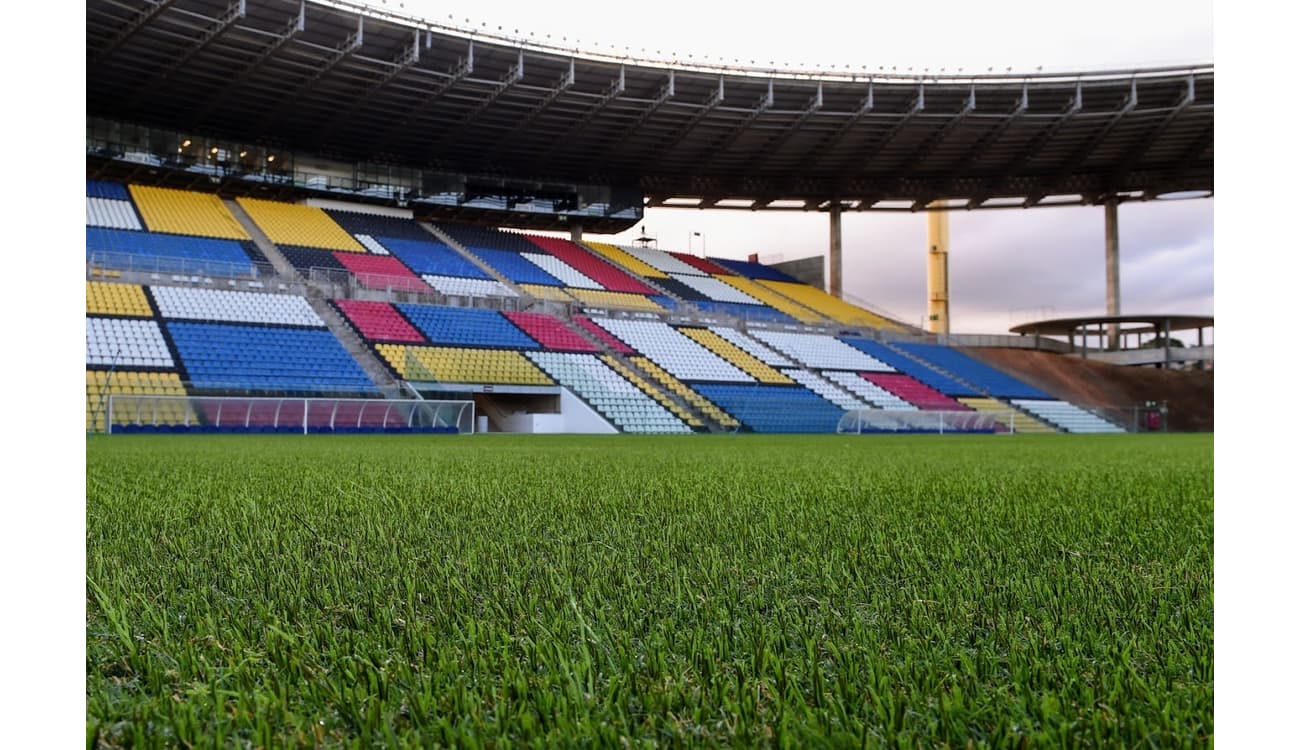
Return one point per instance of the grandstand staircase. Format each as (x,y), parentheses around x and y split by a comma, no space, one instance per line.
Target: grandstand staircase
(278,261)
(447,240)
(681,408)
(374,369)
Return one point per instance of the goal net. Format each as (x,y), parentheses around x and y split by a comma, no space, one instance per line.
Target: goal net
(862,421)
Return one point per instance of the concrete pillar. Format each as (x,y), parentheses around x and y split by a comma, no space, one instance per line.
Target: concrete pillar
(836,260)
(575,232)
(1112,270)
(937,270)
(1166,343)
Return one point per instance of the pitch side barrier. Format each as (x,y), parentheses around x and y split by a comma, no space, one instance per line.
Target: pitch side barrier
(126,414)
(893,421)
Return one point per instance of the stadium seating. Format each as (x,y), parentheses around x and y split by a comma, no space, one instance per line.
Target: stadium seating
(751,270)
(1067,416)
(225,356)
(1019,421)
(107,190)
(715,290)
(684,392)
(297,224)
(702,265)
(913,391)
(742,359)
(763,353)
(429,256)
(662,261)
(609,393)
(677,354)
(485,237)
(513,266)
(862,386)
(617,300)
(550,332)
(111,213)
(918,370)
(829,306)
(623,258)
(820,351)
(166,253)
(552,293)
(108,298)
(360,223)
(464,326)
(664,399)
(770,298)
(100,384)
(453,286)
(378,321)
(774,408)
(190,303)
(382,272)
(568,275)
(186,212)
(602,335)
(837,396)
(461,365)
(307,258)
(983,377)
(768,374)
(126,343)
(599,271)
(753,313)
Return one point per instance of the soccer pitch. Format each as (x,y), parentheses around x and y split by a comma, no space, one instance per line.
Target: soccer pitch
(713,590)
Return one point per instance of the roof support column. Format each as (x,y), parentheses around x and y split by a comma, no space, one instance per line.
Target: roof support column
(1112,270)
(937,266)
(836,253)
(575,232)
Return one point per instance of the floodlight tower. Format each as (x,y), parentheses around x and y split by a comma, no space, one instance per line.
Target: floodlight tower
(936,319)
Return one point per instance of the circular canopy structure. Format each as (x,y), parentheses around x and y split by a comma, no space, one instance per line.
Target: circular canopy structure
(354,83)
(1139,324)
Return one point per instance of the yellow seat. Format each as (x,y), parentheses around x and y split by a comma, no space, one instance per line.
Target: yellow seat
(832,307)
(621,300)
(737,356)
(296,224)
(186,212)
(626,260)
(110,298)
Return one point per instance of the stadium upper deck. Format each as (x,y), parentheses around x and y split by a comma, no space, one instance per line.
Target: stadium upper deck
(366,86)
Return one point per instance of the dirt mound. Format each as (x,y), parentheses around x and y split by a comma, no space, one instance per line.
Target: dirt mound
(1189,393)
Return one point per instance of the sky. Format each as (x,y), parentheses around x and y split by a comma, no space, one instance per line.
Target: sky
(1006,266)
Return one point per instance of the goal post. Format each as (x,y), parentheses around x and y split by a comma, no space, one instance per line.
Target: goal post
(240,414)
(865,421)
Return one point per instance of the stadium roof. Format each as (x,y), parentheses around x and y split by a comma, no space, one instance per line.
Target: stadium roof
(365,85)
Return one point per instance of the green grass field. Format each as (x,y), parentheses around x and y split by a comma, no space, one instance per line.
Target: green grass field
(708,590)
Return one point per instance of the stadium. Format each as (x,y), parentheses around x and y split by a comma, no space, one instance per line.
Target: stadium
(402,431)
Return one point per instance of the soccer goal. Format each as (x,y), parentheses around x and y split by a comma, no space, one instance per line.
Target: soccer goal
(863,421)
(178,414)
